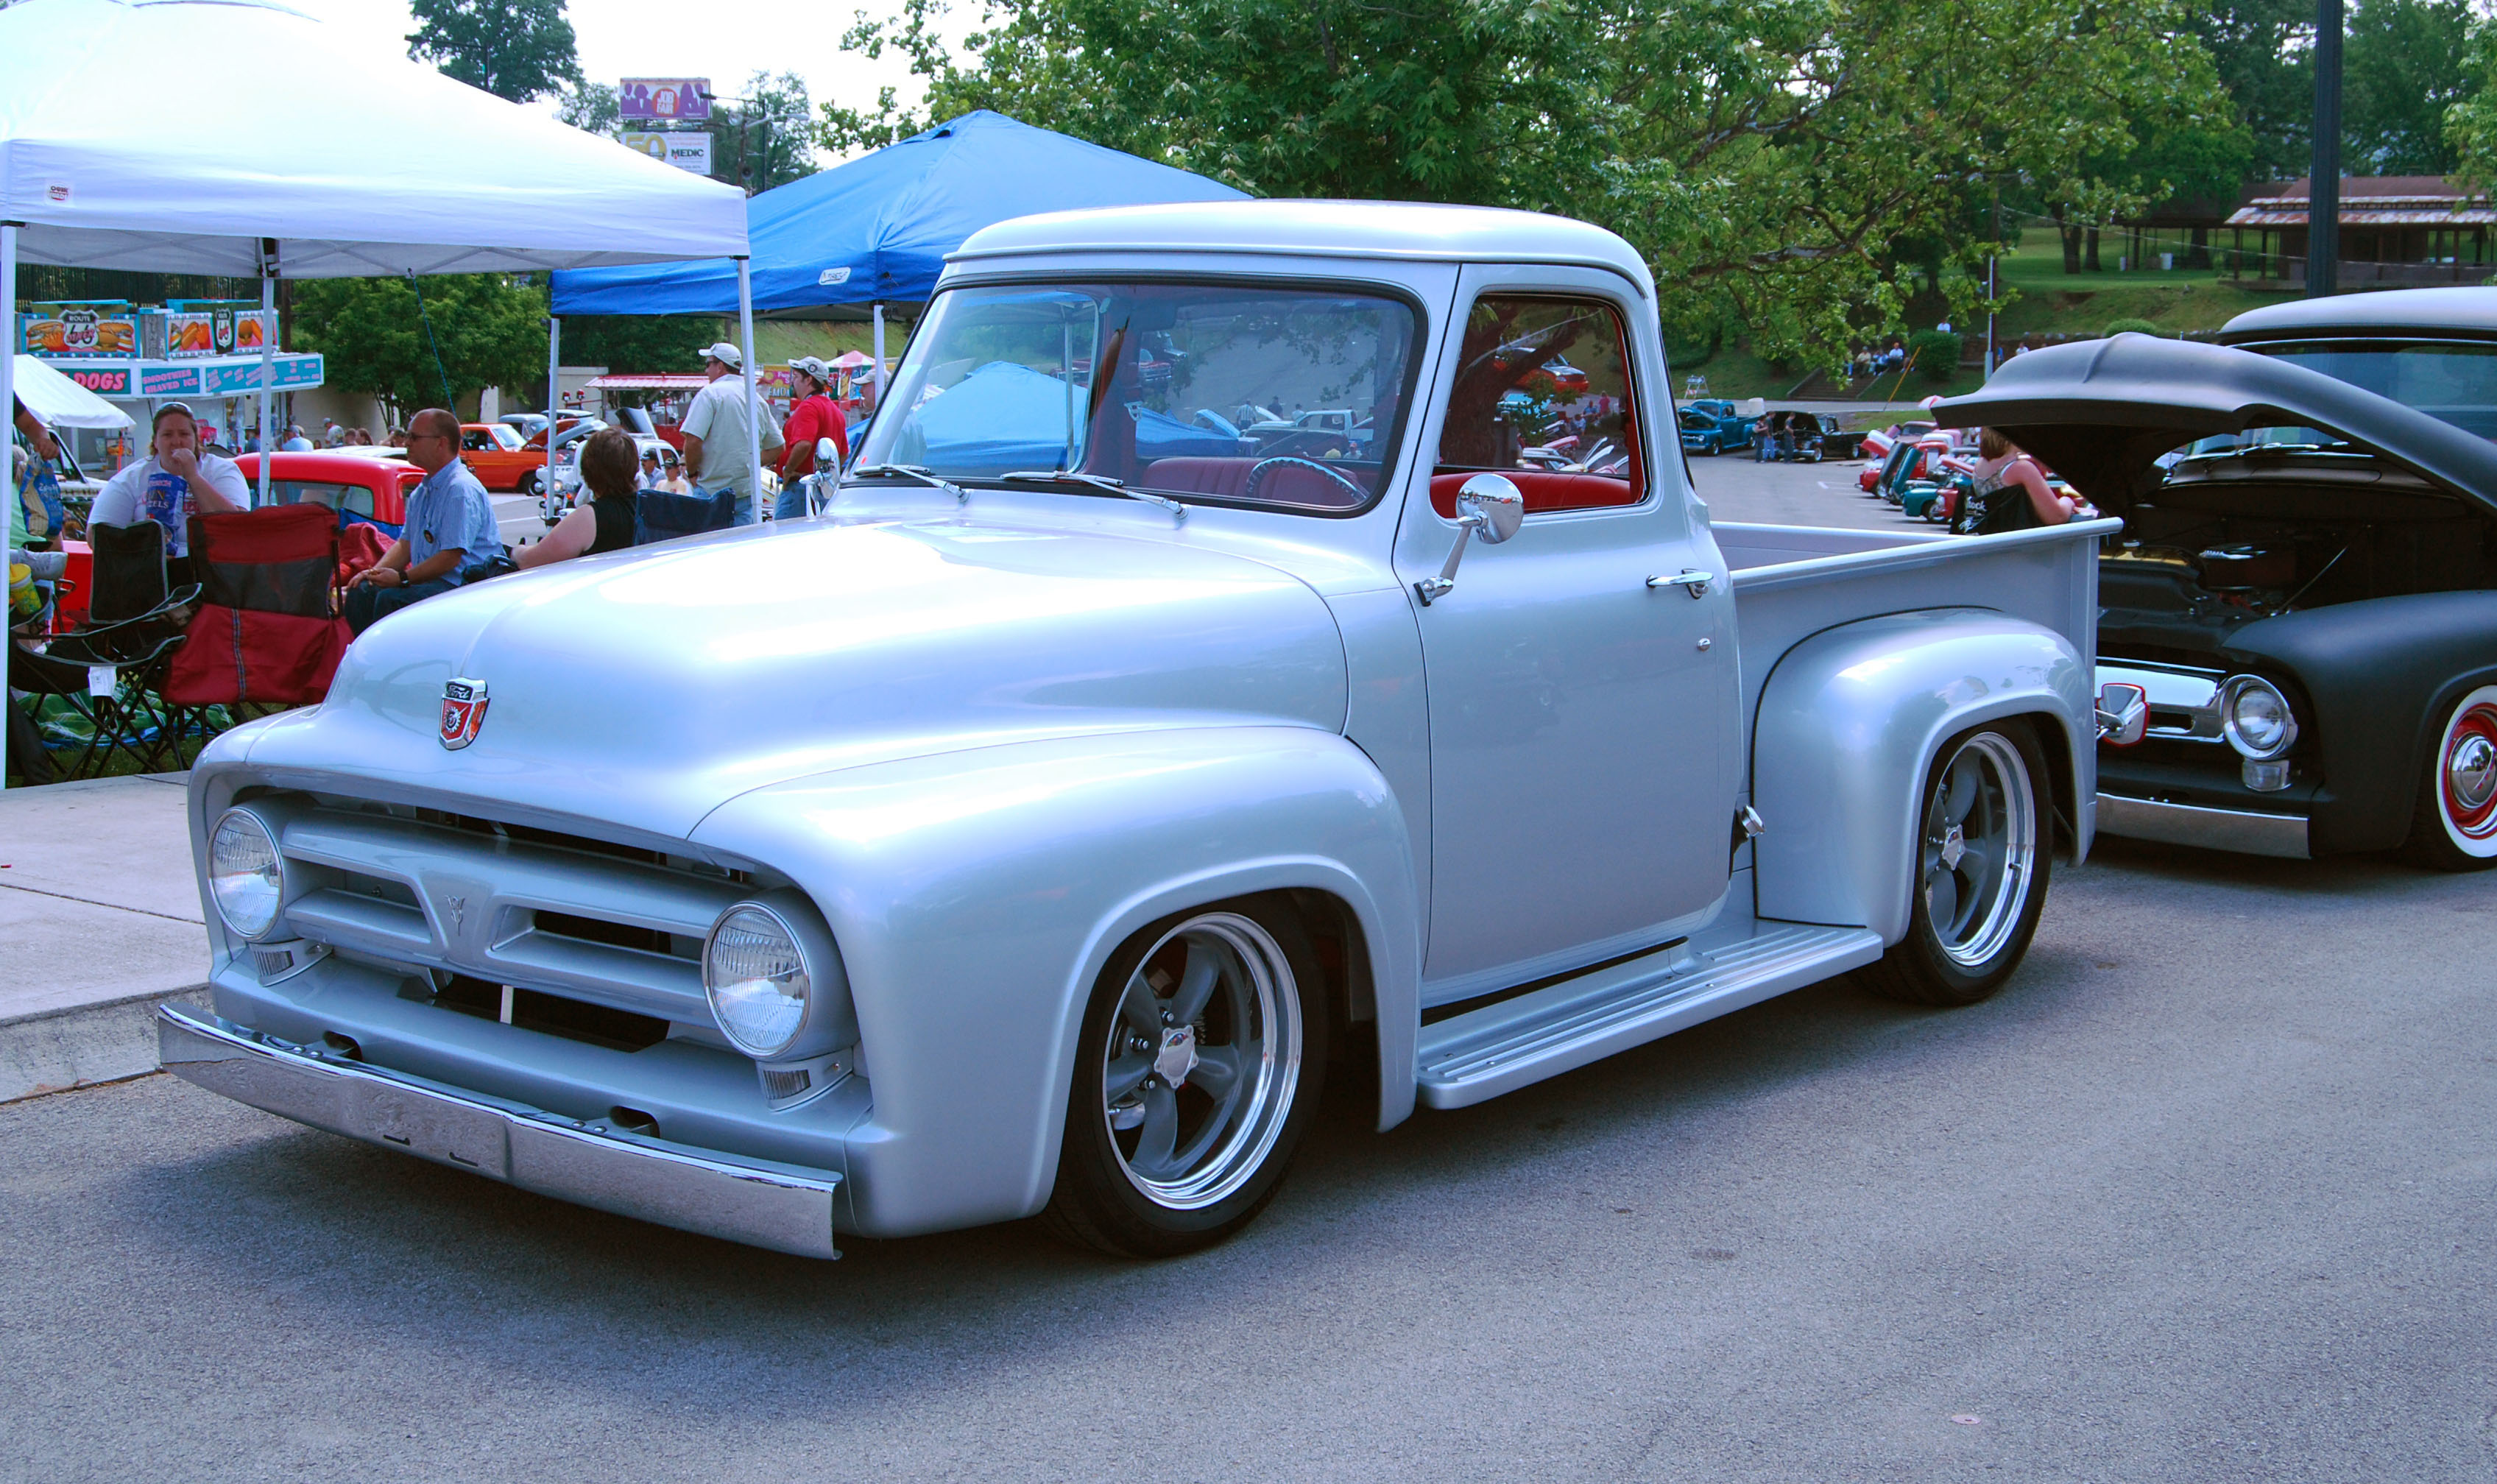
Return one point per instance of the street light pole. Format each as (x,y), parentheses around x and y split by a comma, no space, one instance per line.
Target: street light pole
(2323,178)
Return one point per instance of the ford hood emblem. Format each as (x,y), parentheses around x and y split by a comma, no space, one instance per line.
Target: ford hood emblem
(463,712)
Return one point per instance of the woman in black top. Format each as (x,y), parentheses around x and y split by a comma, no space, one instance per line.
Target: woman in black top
(2010,493)
(606,524)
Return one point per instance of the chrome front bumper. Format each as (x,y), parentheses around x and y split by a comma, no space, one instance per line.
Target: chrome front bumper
(2242,830)
(756,1202)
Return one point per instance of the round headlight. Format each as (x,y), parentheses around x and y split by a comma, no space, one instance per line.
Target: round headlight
(756,977)
(2258,723)
(246,877)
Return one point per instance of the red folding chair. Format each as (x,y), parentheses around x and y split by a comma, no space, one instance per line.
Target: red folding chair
(264,632)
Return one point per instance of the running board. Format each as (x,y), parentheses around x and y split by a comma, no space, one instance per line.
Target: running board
(1503,1047)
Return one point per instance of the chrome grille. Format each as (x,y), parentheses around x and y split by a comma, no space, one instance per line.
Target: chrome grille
(591,921)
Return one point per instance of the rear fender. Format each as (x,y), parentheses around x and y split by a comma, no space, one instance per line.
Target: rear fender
(1851,719)
(977,895)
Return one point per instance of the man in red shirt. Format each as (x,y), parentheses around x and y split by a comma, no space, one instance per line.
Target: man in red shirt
(811,416)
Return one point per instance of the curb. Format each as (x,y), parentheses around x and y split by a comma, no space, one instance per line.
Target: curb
(77,1046)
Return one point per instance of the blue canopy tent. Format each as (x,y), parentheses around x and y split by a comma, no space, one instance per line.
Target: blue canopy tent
(877,231)
(1004,415)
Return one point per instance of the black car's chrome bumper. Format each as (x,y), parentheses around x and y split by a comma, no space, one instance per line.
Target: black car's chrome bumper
(756,1202)
(2244,831)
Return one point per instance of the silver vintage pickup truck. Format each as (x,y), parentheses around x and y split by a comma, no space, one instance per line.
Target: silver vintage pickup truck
(1123,756)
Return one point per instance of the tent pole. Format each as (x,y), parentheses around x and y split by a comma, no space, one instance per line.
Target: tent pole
(745,370)
(555,405)
(8,395)
(879,362)
(267,357)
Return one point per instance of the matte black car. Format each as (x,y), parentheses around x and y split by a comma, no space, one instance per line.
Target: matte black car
(2306,589)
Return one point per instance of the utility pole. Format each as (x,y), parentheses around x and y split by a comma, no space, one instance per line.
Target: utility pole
(2323,178)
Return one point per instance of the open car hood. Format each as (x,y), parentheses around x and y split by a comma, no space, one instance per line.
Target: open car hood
(2100,412)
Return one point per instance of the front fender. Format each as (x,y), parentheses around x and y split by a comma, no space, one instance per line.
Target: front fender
(2381,675)
(1851,719)
(976,896)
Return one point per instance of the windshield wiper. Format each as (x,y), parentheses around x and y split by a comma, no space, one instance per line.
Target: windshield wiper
(928,477)
(1179,512)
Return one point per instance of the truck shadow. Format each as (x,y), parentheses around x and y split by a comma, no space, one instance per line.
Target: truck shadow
(463,1271)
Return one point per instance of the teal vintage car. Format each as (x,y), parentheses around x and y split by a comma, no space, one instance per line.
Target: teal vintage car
(1710,425)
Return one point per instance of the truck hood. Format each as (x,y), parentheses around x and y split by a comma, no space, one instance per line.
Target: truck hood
(2101,412)
(647,687)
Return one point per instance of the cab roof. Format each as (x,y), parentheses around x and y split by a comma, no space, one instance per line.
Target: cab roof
(1321,229)
(2465,313)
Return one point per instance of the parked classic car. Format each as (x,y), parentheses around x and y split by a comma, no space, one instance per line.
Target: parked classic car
(503,460)
(2307,598)
(1039,828)
(1710,425)
(364,490)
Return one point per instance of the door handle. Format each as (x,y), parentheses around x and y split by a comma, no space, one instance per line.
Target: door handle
(1696,582)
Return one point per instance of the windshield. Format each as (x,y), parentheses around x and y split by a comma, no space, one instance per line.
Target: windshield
(1234,394)
(2453,383)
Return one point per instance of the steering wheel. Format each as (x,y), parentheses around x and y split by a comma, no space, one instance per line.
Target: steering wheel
(1257,475)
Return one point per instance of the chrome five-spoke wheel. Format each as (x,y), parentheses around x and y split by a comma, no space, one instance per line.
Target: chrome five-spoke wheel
(1199,1059)
(1982,864)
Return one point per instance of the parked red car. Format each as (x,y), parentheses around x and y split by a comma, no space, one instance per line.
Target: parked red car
(362,489)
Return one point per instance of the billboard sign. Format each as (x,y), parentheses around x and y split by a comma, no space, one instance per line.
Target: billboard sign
(684,151)
(664,99)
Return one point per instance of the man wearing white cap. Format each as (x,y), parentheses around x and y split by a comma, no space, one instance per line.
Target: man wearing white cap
(720,441)
(811,416)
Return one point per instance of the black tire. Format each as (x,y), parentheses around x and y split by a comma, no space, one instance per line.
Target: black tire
(1986,936)
(532,485)
(1107,1195)
(2454,822)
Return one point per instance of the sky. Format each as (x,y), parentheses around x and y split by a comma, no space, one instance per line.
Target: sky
(726,40)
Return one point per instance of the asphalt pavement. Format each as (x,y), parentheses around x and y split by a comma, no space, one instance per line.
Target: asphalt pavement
(2205,1194)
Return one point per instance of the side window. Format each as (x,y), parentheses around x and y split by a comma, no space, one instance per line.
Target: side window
(1544,395)
(477,441)
(295,492)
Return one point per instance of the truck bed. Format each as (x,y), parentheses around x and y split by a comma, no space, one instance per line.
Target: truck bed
(1792,582)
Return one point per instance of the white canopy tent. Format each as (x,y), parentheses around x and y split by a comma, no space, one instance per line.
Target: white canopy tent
(60,401)
(284,149)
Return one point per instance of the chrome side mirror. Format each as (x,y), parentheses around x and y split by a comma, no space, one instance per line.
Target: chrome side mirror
(828,454)
(1488,505)
(2124,713)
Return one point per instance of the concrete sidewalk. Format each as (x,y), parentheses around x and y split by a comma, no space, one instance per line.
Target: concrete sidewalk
(99,924)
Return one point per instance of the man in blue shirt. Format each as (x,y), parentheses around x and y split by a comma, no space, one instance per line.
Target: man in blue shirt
(449,538)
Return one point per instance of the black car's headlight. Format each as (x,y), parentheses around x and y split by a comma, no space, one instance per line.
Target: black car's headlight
(2256,718)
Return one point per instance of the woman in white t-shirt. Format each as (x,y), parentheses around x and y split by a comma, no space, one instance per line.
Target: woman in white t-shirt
(176,481)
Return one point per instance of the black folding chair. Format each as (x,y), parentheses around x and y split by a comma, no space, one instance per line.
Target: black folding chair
(660,516)
(108,672)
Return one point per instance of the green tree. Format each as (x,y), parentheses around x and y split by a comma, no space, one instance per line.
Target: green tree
(1768,156)
(518,50)
(2261,52)
(767,138)
(592,108)
(490,330)
(2402,70)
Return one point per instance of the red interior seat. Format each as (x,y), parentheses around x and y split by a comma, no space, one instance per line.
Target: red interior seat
(1544,490)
